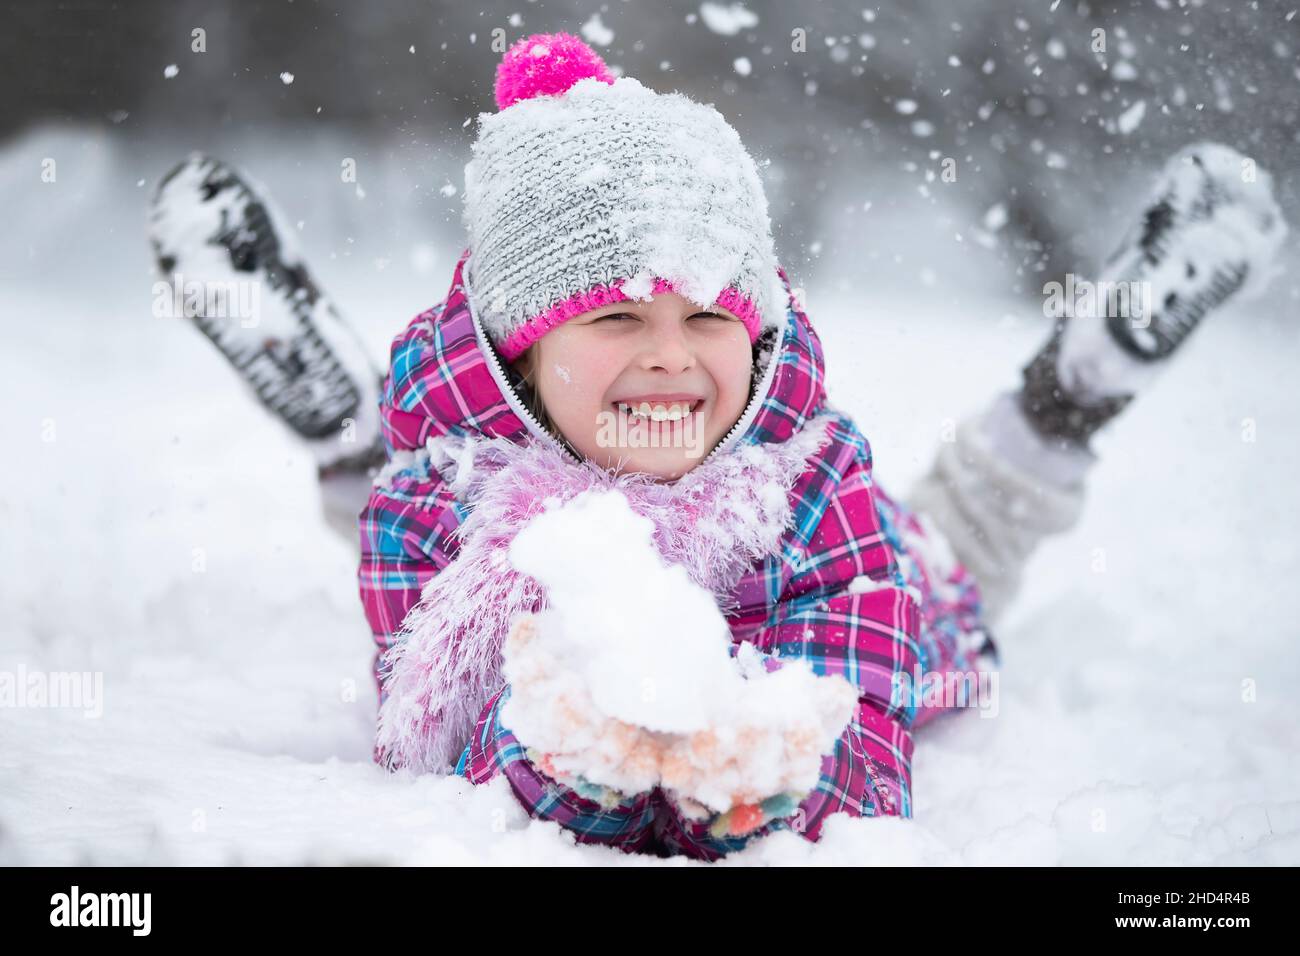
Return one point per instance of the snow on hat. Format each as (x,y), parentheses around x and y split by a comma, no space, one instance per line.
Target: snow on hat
(587,189)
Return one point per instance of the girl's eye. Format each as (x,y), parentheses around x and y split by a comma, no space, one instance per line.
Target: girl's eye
(626,315)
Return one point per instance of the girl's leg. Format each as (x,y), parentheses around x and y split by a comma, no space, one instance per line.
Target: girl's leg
(999,490)
(233,259)
(1017,470)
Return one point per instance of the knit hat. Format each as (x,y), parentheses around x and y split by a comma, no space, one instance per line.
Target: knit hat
(586,189)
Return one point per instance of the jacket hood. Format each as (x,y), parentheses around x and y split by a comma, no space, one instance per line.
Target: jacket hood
(446,378)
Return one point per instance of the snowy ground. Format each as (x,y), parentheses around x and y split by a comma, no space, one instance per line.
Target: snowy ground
(159,529)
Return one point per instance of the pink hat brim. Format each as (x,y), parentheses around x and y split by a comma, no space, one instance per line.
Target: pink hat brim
(602,295)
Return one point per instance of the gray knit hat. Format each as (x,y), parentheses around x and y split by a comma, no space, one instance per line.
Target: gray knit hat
(586,189)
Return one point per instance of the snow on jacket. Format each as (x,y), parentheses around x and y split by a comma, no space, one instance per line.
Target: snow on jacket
(856,584)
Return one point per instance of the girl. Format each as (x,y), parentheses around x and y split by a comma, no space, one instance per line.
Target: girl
(619,320)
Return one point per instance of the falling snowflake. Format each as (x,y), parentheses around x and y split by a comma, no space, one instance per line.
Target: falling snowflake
(593,31)
(729,20)
(1131,118)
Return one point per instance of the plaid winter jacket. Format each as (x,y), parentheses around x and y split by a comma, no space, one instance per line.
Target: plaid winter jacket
(860,587)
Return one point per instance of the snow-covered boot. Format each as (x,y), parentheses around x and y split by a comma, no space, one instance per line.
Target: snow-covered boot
(217,237)
(1210,230)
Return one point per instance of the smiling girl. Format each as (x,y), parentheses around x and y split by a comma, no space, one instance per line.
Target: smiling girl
(619,320)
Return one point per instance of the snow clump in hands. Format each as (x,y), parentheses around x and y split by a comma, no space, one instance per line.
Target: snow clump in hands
(625,680)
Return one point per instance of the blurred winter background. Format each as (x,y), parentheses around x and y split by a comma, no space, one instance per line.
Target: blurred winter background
(159,529)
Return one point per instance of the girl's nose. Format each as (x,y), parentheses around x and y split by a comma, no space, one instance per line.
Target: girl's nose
(667,348)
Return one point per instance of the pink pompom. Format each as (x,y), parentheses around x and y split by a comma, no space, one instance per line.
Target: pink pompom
(546,64)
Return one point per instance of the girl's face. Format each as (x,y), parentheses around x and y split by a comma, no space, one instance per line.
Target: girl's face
(643,386)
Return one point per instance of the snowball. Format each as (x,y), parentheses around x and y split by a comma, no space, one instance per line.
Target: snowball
(626,681)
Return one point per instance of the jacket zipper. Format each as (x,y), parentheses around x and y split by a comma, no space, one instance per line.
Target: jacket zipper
(503,383)
(751,410)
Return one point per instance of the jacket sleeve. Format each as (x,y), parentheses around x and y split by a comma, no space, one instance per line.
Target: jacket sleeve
(845,609)
(859,598)
(857,777)
(868,773)
(408,522)
(593,814)
(406,529)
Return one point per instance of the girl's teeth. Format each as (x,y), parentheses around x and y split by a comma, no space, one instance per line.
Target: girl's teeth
(658,413)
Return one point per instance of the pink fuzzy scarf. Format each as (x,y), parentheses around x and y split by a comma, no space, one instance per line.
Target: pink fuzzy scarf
(718,520)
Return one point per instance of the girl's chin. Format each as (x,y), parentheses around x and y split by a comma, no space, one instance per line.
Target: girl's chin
(664,463)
